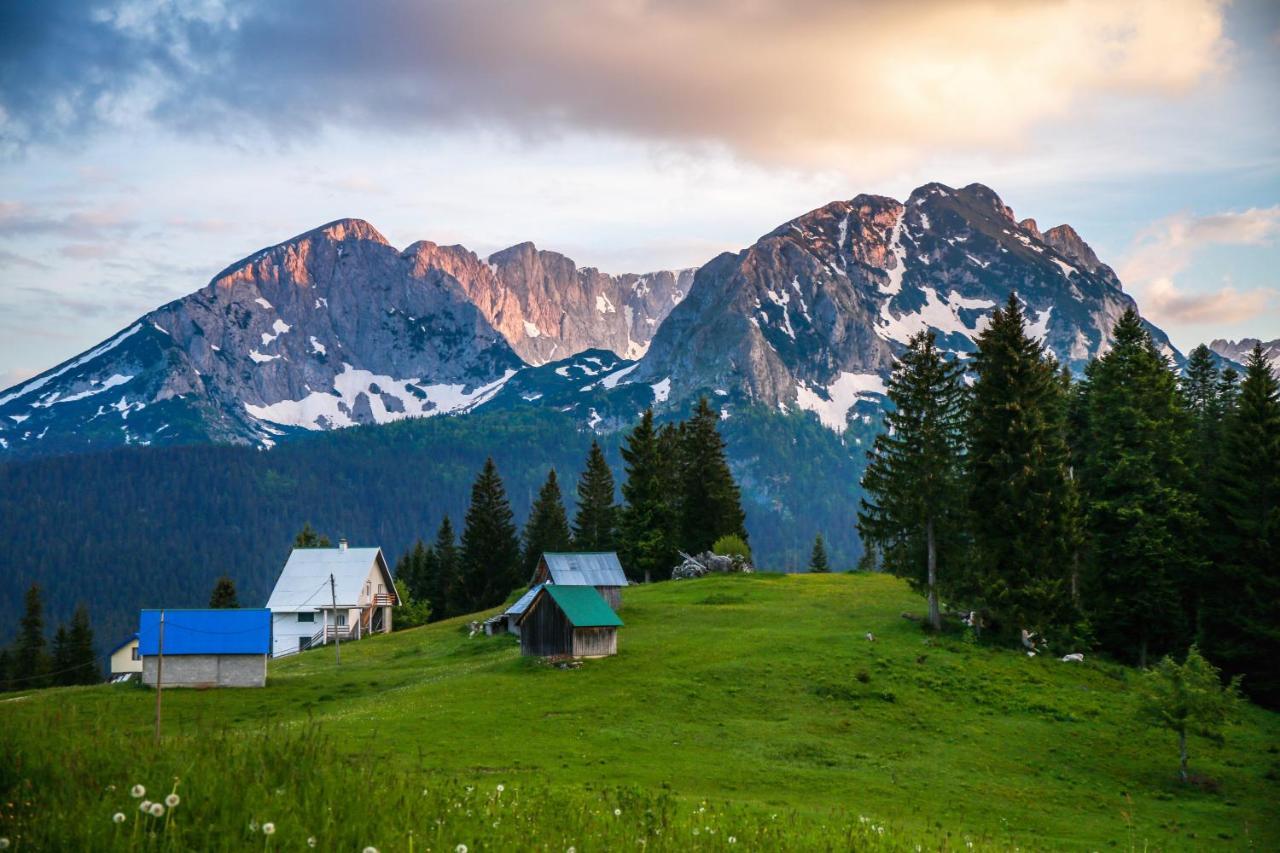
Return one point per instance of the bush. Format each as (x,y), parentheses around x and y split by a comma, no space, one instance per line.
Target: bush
(732,546)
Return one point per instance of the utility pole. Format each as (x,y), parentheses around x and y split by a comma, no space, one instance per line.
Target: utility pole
(337,641)
(159,675)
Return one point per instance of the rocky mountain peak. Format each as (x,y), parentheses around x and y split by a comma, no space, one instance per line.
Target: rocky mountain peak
(1069,244)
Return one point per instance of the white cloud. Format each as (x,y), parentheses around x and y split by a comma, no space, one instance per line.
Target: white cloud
(1164,250)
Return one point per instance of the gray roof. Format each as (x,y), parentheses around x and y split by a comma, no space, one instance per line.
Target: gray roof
(522,604)
(587,569)
(304,583)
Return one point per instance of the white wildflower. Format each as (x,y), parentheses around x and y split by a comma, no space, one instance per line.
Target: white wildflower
(370,849)
(311,841)
(501,787)
(461,848)
(157,809)
(697,831)
(572,850)
(733,840)
(172,800)
(118,817)
(617,812)
(4,843)
(138,791)
(268,828)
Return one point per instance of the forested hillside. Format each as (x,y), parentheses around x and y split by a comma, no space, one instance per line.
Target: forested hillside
(142,527)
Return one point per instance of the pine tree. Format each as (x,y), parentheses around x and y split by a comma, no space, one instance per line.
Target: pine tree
(490,560)
(82,656)
(1242,611)
(416,567)
(645,532)
(62,664)
(818,560)
(30,661)
(547,529)
(1022,504)
(914,485)
(308,538)
(595,525)
(224,594)
(1140,512)
(442,573)
(710,501)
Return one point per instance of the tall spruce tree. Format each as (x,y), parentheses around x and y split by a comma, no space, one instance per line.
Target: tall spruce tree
(413,569)
(595,525)
(914,500)
(442,574)
(490,559)
(547,529)
(1241,620)
(1022,503)
(61,662)
(30,664)
(818,558)
(82,656)
(224,594)
(1141,517)
(710,501)
(645,531)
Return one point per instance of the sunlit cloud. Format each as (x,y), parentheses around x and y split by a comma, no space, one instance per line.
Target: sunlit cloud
(1166,249)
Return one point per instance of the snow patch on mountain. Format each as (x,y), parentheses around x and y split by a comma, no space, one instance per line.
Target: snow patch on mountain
(832,405)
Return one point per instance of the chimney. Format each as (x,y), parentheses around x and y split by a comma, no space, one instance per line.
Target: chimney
(342,544)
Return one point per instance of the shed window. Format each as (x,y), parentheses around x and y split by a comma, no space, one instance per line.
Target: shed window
(306,617)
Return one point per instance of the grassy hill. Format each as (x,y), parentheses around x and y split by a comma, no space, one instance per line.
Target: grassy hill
(749,707)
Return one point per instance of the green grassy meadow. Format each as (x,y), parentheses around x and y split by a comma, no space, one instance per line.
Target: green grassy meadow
(748,707)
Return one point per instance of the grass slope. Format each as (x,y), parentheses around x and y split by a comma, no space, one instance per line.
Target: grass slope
(756,692)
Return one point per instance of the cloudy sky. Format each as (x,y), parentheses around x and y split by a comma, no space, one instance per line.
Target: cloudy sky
(145,145)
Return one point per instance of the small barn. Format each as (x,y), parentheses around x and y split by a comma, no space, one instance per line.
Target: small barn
(571,621)
(126,660)
(205,648)
(509,621)
(599,569)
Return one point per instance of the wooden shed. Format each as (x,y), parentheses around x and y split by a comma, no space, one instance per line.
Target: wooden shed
(573,621)
(600,570)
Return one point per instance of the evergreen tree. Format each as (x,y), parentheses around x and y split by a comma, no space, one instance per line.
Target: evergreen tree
(442,573)
(82,655)
(547,529)
(710,501)
(1022,503)
(224,594)
(1140,512)
(30,661)
(595,525)
(490,560)
(646,515)
(1241,624)
(62,664)
(308,538)
(818,560)
(1188,698)
(914,496)
(5,663)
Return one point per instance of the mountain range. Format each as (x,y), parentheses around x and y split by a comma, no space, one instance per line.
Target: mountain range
(336,327)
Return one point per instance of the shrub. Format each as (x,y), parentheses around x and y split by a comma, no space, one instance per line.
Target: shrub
(732,546)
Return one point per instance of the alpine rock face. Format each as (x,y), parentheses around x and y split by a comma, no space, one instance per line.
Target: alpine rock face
(1238,351)
(812,315)
(549,309)
(332,328)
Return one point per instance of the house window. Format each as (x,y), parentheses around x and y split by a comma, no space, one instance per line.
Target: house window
(342,620)
(306,617)
(133,653)
(381,589)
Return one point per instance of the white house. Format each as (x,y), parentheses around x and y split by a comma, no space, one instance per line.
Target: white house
(125,660)
(302,604)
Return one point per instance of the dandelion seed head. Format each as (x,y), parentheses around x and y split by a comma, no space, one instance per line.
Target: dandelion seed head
(617,812)
(118,817)
(172,800)
(697,831)
(501,787)
(370,849)
(157,809)
(311,841)
(733,840)
(144,806)
(572,850)
(268,828)
(138,791)
(4,843)
(461,848)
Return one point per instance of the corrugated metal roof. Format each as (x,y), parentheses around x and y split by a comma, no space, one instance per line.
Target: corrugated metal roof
(206,632)
(522,604)
(126,641)
(583,606)
(304,582)
(586,569)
